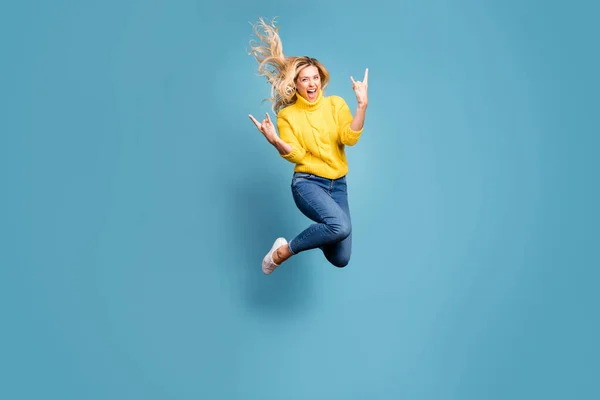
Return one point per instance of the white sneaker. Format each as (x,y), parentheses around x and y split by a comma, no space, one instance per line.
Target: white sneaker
(268,265)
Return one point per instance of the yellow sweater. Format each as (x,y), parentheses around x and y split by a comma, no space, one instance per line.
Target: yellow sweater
(318,133)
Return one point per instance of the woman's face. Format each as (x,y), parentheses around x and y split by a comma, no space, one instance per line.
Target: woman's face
(309,83)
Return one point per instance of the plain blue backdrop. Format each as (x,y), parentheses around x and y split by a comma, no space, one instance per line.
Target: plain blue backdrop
(137,202)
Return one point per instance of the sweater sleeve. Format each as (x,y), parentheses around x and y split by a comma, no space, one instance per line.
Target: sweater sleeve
(287,135)
(348,136)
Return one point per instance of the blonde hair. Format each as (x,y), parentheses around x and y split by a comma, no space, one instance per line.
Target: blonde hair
(281,71)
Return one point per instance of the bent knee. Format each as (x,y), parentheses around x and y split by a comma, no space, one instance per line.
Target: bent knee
(346,230)
(341,229)
(340,261)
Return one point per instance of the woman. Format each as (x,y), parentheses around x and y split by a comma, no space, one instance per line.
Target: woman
(313,132)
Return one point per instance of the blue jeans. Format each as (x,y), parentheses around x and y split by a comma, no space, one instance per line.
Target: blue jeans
(325,201)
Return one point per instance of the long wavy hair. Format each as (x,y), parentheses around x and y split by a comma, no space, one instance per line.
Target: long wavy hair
(281,71)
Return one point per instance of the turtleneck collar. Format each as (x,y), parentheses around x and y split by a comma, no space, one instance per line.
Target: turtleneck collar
(307,105)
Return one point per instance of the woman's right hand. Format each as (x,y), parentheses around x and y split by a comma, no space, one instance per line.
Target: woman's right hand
(266,127)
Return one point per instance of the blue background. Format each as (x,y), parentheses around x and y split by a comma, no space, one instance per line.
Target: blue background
(137,202)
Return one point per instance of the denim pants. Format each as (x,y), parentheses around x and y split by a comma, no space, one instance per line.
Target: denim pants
(325,201)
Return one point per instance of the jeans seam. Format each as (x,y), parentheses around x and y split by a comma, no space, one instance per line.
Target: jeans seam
(303,198)
(307,202)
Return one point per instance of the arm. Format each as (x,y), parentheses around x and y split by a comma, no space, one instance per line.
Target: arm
(359,118)
(287,143)
(350,127)
(282,147)
(351,130)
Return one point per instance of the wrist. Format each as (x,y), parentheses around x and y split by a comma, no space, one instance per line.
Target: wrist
(362,106)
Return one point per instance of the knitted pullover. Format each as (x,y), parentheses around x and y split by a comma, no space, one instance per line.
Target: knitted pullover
(318,133)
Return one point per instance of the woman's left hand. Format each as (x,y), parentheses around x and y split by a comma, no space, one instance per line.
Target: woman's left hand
(360,88)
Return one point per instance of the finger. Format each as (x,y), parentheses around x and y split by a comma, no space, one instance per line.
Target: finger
(366,80)
(255,121)
(268,117)
(352,79)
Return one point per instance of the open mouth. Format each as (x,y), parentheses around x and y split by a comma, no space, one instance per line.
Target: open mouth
(311,91)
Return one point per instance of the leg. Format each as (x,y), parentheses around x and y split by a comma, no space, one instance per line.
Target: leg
(339,253)
(314,198)
(325,202)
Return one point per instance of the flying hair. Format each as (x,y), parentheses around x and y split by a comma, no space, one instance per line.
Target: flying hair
(280,71)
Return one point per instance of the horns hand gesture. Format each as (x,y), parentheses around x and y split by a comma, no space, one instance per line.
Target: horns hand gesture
(360,88)
(266,127)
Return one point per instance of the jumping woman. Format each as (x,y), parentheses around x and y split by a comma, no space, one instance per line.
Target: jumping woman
(313,132)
